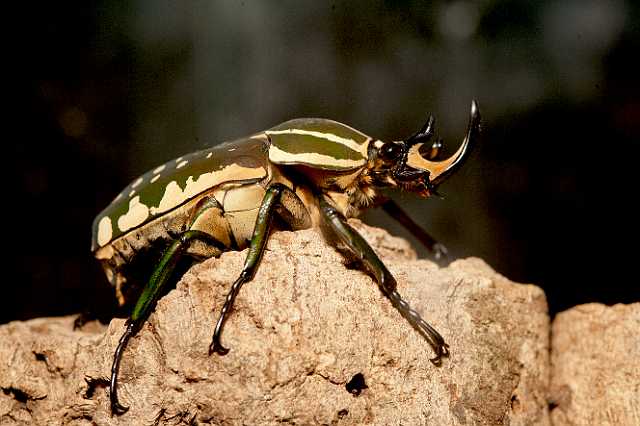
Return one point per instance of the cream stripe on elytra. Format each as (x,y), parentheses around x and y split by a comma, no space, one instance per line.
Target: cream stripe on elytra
(174,195)
(281,157)
(361,148)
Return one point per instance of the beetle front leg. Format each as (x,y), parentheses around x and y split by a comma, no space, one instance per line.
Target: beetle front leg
(356,245)
(277,199)
(395,211)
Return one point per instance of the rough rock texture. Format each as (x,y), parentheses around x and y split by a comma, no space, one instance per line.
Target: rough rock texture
(596,365)
(300,332)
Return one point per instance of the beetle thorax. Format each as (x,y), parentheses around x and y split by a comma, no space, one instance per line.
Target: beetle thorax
(355,193)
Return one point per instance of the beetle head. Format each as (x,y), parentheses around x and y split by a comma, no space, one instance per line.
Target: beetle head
(410,165)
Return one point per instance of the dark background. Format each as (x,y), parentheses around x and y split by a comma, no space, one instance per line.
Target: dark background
(104,91)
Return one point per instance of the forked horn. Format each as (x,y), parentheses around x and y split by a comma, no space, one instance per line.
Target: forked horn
(440,170)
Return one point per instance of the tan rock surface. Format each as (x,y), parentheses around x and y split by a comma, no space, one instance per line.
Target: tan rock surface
(300,332)
(596,365)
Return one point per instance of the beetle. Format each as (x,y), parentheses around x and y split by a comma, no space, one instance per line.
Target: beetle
(306,172)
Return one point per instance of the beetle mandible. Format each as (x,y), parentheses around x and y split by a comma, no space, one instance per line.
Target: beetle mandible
(308,172)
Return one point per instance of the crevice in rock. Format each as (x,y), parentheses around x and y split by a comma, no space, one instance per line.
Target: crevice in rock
(326,378)
(17,394)
(20,395)
(356,385)
(92,385)
(515,402)
(40,357)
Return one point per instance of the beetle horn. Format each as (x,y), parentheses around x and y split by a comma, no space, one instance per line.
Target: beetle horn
(440,170)
(424,134)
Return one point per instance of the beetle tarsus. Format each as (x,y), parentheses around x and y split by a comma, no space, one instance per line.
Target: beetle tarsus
(434,338)
(439,251)
(216,346)
(116,407)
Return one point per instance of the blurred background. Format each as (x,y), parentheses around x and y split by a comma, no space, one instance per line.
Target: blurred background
(107,90)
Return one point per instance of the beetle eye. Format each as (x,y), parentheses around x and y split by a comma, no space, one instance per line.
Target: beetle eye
(390,151)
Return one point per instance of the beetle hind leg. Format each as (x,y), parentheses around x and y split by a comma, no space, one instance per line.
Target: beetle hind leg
(206,244)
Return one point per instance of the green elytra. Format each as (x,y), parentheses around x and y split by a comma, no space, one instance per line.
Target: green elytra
(309,172)
(250,153)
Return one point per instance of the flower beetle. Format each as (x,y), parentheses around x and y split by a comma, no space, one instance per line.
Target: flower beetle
(307,172)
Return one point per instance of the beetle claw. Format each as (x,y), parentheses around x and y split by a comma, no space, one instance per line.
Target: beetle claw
(216,347)
(117,408)
(441,351)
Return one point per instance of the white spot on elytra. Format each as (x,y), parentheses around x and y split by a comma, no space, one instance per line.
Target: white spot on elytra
(179,159)
(182,164)
(232,149)
(136,215)
(137,182)
(209,155)
(155,178)
(105,231)
(158,169)
(132,193)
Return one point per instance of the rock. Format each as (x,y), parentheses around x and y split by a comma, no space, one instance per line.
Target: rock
(312,342)
(596,365)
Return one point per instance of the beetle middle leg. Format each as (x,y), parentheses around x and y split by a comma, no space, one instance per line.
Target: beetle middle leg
(351,241)
(277,199)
